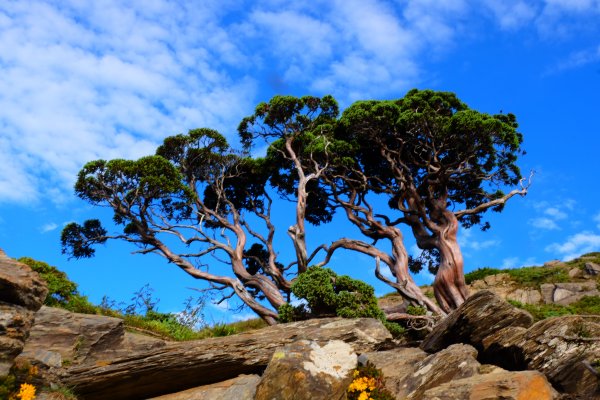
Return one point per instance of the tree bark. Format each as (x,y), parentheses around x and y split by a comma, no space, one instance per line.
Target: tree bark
(449,286)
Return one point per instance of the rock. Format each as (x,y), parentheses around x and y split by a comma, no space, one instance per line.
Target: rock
(75,337)
(562,348)
(566,293)
(591,268)
(525,296)
(22,292)
(497,279)
(242,387)
(15,322)
(547,290)
(181,366)
(412,379)
(575,273)
(524,385)
(552,263)
(479,316)
(20,285)
(304,370)
(391,362)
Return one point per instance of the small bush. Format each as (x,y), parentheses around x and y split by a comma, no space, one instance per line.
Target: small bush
(368,383)
(329,294)
(587,305)
(60,288)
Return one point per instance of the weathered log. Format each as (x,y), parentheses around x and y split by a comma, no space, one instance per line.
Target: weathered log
(182,366)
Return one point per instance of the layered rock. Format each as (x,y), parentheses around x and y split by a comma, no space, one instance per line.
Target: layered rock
(563,348)
(242,387)
(22,293)
(478,317)
(181,366)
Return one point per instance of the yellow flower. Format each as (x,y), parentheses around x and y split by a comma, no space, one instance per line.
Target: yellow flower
(364,396)
(26,392)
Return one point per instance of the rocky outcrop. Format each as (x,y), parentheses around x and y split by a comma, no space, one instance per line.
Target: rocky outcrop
(22,293)
(567,292)
(478,317)
(304,370)
(563,348)
(182,366)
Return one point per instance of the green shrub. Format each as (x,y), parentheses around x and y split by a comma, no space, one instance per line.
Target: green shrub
(481,273)
(60,288)
(328,294)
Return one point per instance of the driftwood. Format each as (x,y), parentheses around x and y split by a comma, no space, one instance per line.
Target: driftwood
(185,365)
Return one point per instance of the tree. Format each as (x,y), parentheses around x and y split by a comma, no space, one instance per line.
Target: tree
(440,164)
(200,192)
(295,130)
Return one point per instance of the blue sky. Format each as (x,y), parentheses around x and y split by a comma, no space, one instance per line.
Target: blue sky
(86,80)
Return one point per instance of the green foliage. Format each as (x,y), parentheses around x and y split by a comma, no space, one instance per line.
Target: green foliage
(416,310)
(535,276)
(588,305)
(8,385)
(60,289)
(481,273)
(329,294)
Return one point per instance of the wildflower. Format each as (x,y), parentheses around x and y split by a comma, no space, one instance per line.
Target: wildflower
(26,392)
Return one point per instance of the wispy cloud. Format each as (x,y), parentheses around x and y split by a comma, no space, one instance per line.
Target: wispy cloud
(516,262)
(544,223)
(597,219)
(48,227)
(550,216)
(574,246)
(467,241)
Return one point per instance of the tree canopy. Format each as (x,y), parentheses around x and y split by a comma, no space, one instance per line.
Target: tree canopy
(436,162)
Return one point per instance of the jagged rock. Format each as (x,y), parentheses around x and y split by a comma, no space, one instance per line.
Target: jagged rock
(186,365)
(524,385)
(415,374)
(567,292)
(242,387)
(304,370)
(525,296)
(22,292)
(20,285)
(393,362)
(479,316)
(563,348)
(591,268)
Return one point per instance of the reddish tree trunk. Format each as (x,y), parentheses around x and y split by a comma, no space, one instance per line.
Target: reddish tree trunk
(449,285)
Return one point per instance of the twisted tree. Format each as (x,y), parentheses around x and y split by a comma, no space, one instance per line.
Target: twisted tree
(440,164)
(200,192)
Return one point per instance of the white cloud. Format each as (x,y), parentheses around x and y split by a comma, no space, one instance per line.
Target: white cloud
(468,242)
(516,262)
(243,317)
(576,245)
(544,223)
(511,14)
(221,306)
(85,81)
(555,213)
(576,60)
(597,219)
(48,227)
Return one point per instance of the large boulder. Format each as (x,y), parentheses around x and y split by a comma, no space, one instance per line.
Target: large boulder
(181,366)
(563,348)
(22,293)
(304,370)
(479,316)
(566,293)
(523,385)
